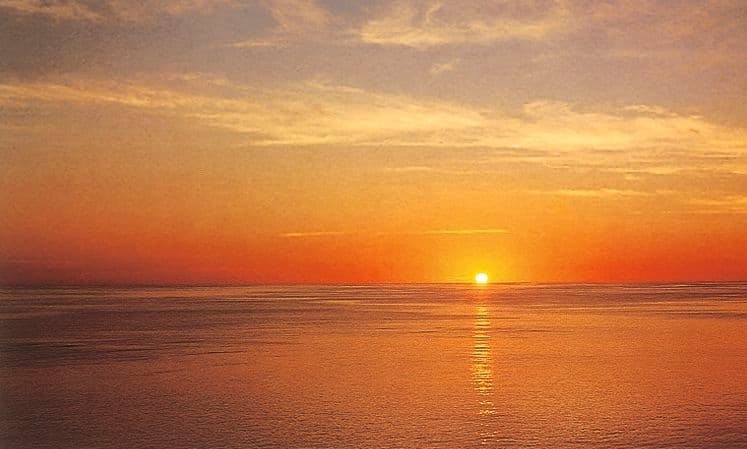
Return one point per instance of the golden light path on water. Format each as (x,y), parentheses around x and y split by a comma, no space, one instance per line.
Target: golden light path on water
(482,372)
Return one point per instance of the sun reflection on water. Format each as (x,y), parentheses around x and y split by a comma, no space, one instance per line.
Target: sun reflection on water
(482,372)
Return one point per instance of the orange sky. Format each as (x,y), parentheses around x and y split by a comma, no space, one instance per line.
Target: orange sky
(222,141)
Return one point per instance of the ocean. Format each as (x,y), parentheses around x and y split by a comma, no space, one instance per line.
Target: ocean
(375,366)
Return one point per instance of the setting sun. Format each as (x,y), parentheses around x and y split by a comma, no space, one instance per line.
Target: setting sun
(481,278)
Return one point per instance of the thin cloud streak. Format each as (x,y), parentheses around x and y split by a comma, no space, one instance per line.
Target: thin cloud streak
(449,66)
(55,10)
(593,193)
(295,21)
(464,231)
(295,16)
(729,204)
(257,43)
(436,170)
(313,234)
(112,10)
(446,232)
(602,192)
(423,25)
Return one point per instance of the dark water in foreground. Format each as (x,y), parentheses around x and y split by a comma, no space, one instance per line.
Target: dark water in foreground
(375,366)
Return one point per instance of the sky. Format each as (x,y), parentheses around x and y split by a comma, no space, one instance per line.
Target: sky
(290,141)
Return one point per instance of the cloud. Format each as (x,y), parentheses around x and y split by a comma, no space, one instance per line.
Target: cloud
(426,24)
(437,170)
(698,34)
(443,67)
(112,10)
(144,10)
(487,231)
(293,235)
(594,193)
(729,204)
(319,113)
(293,16)
(295,21)
(444,232)
(619,133)
(271,42)
(657,22)
(411,169)
(60,10)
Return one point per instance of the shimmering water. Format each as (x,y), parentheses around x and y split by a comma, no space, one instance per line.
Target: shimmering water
(375,367)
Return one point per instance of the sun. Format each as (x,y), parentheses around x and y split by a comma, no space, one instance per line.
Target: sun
(481,278)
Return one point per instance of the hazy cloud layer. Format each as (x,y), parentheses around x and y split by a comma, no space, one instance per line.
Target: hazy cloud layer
(314,113)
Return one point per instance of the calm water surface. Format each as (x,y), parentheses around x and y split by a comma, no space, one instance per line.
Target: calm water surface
(432,366)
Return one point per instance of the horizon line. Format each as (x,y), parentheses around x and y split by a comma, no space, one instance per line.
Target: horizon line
(393,283)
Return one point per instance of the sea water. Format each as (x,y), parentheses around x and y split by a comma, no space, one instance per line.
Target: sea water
(375,366)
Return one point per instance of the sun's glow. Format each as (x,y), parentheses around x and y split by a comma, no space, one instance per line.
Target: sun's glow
(481,278)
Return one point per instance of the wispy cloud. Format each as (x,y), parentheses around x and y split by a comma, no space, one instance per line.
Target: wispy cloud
(706,31)
(428,24)
(444,232)
(728,204)
(60,10)
(320,113)
(594,193)
(307,113)
(443,67)
(411,169)
(294,16)
(295,21)
(138,11)
(651,170)
(464,231)
(294,235)
(437,170)
(258,43)
(109,10)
